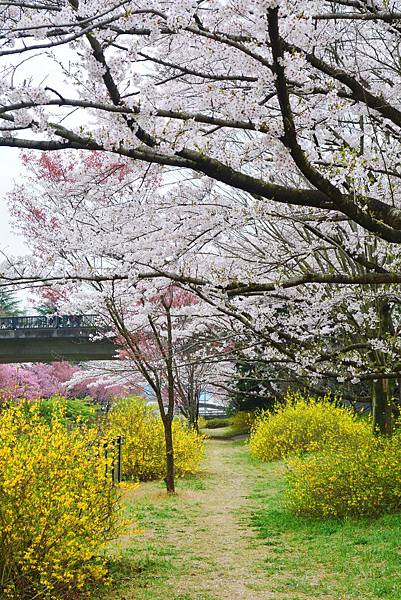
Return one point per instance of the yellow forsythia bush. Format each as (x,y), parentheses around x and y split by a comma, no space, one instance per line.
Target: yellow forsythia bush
(144,451)
(241,422)
(202,423)
(57,507)
(304,424)
(363,480)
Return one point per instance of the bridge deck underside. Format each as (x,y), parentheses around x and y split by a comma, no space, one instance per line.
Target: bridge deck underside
(52,347)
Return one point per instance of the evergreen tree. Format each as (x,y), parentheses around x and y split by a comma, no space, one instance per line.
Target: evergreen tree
(9,304)
(256,383)
(46,309)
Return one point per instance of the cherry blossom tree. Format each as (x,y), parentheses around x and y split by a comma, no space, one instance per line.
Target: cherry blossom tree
(162,336)
(261,143)
(38,380)
(18,381)
(152,338)
(159,328)
(210,242)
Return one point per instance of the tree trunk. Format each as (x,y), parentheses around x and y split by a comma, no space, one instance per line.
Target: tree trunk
(382,407)
(383,388)
(191,418)
(192,398)
(193,415)
(196,407)
(168,436)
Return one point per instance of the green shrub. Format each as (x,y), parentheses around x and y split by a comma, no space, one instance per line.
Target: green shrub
(305,425)
(57,508)
(241,422)
(143,441)
(217,423)
(74,409)
(351,480)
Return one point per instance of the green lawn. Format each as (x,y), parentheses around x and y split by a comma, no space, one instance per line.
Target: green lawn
(225,433)
(358,559)
(222,433)
(142,567)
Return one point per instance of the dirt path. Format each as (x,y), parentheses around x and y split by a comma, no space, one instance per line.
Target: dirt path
(214,553)
(226,545)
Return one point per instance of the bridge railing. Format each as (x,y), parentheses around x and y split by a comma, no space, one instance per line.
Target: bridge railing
(50,322)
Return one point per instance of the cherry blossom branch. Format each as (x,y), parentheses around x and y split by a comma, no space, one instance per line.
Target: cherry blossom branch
(386,16)
(360,92)
(232,290)
(344,204)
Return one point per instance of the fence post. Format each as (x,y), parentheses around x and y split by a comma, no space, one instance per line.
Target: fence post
(116,469)
(117,460)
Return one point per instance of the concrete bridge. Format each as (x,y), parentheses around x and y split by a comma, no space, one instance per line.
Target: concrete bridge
(51,338)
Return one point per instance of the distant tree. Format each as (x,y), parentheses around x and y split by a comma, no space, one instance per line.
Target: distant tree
(252,387)
(9,304)
(156,332)
(45,309)
(45,301)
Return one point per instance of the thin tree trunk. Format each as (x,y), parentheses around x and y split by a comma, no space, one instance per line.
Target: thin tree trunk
(170,474)
(196,411)
(195,425)
(192,412)
(168,433)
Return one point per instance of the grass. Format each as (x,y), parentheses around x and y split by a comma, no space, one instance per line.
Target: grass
(217,422)
(142,566)
(341,559)
(226,428)
(224,433)
(270,553)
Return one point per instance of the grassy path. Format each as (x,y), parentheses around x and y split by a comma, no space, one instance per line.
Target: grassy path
(198,542)
(226,536)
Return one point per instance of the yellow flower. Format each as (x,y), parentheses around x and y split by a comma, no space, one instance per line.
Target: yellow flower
(57,506)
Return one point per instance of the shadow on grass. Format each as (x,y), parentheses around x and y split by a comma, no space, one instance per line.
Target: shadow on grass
(136,569)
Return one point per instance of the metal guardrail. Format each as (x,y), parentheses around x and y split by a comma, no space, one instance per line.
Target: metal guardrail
(208,410)
(216,415)
(50,322)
